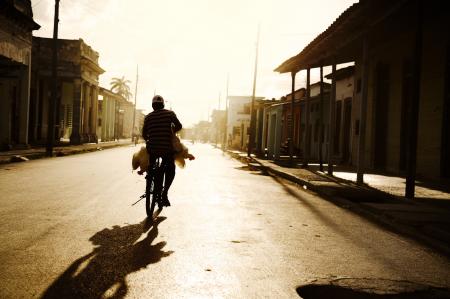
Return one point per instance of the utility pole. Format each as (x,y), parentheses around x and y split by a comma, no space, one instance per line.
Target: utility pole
(135,100)
(252,118)
(225,137)
(52,108)
(218,122)
(209,110)
(321,131)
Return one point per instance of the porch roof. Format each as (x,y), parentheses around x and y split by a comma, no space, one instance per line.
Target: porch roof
(341,41)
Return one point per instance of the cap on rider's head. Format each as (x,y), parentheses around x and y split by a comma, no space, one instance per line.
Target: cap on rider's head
(157,102)
(158,99)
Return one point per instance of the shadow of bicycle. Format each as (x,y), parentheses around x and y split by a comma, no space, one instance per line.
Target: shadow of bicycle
(102,272)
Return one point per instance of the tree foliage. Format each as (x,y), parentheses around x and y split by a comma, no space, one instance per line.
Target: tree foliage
(121,86)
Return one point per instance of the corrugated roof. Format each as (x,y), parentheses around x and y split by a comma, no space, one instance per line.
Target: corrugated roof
(346,28)
(287,66)
(342,73)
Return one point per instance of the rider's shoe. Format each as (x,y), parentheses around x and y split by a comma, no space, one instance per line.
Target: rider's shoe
(165,200)
(160,203)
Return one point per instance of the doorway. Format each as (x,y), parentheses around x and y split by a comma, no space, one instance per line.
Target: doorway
(347,130)
(381,110)
(445,148)
(405,112)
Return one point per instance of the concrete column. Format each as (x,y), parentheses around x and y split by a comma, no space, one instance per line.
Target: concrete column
(109,115)
(86,106)
(321,121)
(94,114)
(413,115)
(307,144)
(112,118)
(263,136)
(75,137)
(332,122)
(45,109)
(105,113)
(24,107)
(363,111)
(34,112)
(116,120)
(291,128)
(278,133)
(5,114)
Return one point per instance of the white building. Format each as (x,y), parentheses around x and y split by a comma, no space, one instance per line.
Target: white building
(238,121)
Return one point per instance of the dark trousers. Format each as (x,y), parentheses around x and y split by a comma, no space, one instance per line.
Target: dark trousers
(168,168)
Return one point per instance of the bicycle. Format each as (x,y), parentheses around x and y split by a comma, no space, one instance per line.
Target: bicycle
(152,191)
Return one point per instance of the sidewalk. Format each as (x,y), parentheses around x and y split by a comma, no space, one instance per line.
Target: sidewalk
(426,218)
(39,152)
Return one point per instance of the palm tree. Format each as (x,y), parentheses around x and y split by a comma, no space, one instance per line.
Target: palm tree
(120,86)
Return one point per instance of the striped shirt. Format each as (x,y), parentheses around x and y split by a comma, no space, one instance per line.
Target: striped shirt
(158,132)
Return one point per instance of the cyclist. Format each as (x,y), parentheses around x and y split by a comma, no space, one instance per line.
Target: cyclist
(158,130)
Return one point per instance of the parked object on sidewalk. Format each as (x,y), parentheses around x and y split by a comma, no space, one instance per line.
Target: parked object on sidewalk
(141,159)
(18,158)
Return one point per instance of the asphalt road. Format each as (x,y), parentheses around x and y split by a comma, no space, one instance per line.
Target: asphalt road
(68,230)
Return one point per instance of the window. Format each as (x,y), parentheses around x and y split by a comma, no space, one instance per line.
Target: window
(337,128)
(316,131)
(358,85)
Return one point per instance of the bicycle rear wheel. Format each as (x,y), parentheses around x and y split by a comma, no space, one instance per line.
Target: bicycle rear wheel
(150,198)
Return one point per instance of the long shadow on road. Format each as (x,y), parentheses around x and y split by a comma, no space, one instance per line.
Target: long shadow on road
(103,271)
(363,242)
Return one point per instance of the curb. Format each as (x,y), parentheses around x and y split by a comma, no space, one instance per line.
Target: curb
(61,152)
(374,215)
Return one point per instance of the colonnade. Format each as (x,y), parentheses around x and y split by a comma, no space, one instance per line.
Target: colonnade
(89,112)
(85,112)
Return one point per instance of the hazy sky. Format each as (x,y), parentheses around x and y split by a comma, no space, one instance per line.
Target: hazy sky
(186,48)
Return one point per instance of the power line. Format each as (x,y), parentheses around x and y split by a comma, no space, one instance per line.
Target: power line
(37,3)
(87,8)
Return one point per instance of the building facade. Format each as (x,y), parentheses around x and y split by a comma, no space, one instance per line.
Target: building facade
(139,121)
(400,108)
(272,131)
(77,99)
(16,26)
(238,121)
(217,132)
(344,139)
(107,113)
(126,112)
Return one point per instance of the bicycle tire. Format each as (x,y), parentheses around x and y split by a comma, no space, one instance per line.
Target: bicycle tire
(151,197)
(150,200)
